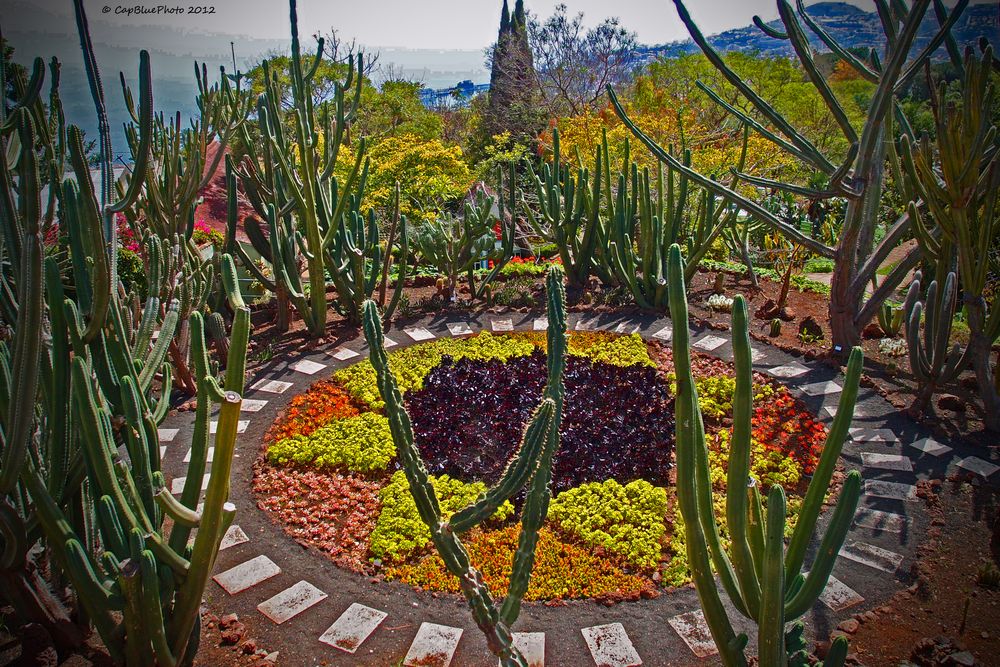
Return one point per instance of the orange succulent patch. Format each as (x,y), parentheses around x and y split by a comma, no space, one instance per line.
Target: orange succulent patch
(563,570)
(321,404)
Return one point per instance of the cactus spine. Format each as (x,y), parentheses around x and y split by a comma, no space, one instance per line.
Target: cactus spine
(532,465)
(763,583)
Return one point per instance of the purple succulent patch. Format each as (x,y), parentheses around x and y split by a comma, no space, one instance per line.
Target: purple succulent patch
(618,422)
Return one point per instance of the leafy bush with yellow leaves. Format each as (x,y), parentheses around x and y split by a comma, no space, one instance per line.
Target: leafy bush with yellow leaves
(627,521)
(361,443)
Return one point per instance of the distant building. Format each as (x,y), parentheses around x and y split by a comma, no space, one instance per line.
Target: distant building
(454,97)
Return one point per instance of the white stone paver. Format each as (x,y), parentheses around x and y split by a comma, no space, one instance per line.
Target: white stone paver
(792,370)
(246,575)
(886,461)
(307,366)
(532,647)
(271,386)
(930,446)
(756,355)
(459,328)
(831,410)
(583,324)
(839,596)
(418,334)
(872,556)
(388,342)
(822,388)
(709,343)
(434,646)
(880,488)
(233,537)
(501,325)
(353,627)
(163,451)
(241,426)
(693,629)
(882,435)
(610,646)
(343,353)
(978,466)
(665,334)
(252,405)
(177,483)
(878,520)
(167,434)
(626,328)
(209,457)
(291,602)
(540,324)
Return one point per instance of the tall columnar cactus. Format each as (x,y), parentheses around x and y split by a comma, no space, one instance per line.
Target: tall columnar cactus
(858,176)
(531,465)
(931,362)
(763,579)
(569,216)
(957,177)
(309,214)
(455,245)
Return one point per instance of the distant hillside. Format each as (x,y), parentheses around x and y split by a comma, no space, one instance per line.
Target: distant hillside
(848,24)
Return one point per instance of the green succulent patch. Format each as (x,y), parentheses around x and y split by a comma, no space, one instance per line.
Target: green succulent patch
(399,531)
(627,521)
(361,443)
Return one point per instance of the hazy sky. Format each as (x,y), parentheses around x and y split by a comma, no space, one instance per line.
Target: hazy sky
(444,24)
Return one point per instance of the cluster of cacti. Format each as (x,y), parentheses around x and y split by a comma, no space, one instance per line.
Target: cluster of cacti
(763,580)
(644,223)
(956,177)
(569,215)
(312,219)
(459,245)
(621,234)
(80,468)
(890,319)
(531,466)
(860,177)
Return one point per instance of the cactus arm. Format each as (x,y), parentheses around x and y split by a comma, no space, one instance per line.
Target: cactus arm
(771,629)
(690,436)
(25,351)
(173,508)
(141,157)
(856,63)
(404,249)
(737,509)
(833,539)
(813,502)
(943,34)
(152,610)
(520,468)
(215,520)
(159,352)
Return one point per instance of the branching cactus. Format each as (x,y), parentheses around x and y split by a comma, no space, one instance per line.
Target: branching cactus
(859,175)
(931,361)
(455,245)
(531,465)
(763,579)
(569,216)
(957,177)
(309,215)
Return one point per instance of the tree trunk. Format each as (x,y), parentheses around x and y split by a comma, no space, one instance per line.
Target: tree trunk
(844,331)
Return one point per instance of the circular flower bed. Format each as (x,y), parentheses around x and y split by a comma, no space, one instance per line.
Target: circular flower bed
(330,475)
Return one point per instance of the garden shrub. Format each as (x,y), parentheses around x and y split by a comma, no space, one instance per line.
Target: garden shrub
(400,532)
(627,521)
(362,443)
